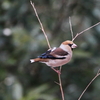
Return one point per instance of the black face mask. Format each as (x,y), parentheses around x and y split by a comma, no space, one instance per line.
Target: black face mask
(70,46)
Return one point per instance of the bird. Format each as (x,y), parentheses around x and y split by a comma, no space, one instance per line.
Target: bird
(57,56)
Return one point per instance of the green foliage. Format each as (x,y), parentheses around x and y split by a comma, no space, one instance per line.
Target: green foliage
(40,92)
(21,39)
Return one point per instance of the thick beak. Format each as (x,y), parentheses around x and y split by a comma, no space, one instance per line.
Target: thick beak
(74,46)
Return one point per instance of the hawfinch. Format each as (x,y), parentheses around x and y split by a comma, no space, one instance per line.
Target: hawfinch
(56,57)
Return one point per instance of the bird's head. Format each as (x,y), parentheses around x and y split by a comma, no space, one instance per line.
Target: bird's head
(69,43)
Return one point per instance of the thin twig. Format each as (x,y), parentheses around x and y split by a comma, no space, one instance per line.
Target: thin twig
(98,73)
(56,82)
(71,27)
(85,31)
(60,84)
(40,24)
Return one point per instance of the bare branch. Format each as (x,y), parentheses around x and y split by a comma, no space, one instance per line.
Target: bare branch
(60,84)
(40,24)
(71,27)
(85,31)
(57,83)
(98,73)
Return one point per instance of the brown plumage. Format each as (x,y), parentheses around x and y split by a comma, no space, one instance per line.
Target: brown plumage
(40,59)
(57,56)
(59,52)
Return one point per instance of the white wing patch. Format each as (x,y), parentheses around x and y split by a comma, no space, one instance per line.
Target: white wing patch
(54,48)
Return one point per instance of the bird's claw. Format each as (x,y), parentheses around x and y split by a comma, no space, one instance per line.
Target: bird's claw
(58,71)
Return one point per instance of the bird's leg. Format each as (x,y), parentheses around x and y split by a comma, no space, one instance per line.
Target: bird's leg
(57,71)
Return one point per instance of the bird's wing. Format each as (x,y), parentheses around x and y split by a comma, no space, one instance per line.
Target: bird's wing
(58,52)
(55,53)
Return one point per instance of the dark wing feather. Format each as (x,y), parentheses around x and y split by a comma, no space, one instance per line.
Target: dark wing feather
(44,55)
(54,54)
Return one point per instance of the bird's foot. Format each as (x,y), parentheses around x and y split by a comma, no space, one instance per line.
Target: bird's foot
(57,71)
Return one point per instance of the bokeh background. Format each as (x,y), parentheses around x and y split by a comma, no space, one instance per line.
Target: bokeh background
(21,39)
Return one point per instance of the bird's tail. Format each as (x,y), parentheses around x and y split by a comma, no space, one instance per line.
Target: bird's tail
(38,59)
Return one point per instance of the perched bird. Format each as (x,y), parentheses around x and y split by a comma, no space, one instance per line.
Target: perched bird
(56,57)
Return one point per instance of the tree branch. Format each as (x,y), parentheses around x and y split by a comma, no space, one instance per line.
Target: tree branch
(60,84)
(85,31)
(71,27)
(42,28)
(98,73)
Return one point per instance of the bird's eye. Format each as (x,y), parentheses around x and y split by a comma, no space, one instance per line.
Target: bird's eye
(70,45)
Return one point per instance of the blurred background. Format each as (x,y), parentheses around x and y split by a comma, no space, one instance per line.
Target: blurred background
(22,39)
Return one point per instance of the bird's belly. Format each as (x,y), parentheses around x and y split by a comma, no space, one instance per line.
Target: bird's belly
(58,62)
